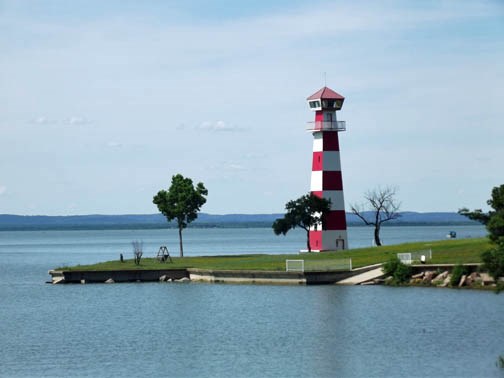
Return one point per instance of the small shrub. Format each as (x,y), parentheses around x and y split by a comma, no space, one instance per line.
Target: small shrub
(390,266)
(400,272)
(458,271)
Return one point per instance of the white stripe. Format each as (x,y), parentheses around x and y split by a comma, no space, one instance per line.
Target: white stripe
(317,142)
(316,181)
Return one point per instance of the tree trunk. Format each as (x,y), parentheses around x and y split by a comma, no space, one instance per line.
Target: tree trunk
(377,235)
(308,240)
(180,241)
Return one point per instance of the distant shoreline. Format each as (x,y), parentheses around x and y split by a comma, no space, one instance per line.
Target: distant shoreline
(157,221)
(97,227)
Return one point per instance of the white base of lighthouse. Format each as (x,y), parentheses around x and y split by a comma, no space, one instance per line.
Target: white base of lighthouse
(328,240)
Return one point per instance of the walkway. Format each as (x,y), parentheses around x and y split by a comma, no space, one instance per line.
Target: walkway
(363,277)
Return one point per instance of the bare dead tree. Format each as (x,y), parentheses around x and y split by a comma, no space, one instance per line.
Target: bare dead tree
(137,250)
(381,206)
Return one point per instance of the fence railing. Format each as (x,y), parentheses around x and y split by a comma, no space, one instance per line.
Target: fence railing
(294,266)
(327,265)
(327,125)
(416,256)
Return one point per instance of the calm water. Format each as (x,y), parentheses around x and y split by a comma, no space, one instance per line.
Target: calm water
(186,330)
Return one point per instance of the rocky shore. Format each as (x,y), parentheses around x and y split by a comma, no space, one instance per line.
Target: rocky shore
(447,278)
(444,279)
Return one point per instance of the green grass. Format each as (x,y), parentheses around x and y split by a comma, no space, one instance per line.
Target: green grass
(446,251)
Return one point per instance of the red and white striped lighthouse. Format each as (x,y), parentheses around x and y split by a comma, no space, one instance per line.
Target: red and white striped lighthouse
(326,179)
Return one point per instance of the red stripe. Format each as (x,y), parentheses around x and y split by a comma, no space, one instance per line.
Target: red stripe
(316,240)
(335,220)
(318,160)
(330,141)
(318,193)
(332,180)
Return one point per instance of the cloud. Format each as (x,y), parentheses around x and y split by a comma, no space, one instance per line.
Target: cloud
(43,120)
(74,121)
(218,126)
(255,156)
(113,144)
(236,167)
(3,189)
(227,167)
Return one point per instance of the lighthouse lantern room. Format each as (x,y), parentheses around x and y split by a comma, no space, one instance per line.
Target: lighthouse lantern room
(326,178)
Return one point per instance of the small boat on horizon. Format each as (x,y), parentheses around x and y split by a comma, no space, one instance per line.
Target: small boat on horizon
(452,235)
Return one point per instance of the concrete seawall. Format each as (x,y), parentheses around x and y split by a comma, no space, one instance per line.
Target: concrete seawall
(205,275)
(76,276)
(247,276)
(371,274)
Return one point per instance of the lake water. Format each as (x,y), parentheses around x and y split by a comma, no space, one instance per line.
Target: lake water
(205,330)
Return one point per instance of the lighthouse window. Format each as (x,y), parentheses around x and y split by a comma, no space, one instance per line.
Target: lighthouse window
(314,104)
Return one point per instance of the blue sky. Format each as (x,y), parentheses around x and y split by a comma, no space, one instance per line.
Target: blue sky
(102,102)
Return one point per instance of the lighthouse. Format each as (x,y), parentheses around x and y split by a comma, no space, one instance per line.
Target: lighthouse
(326,179)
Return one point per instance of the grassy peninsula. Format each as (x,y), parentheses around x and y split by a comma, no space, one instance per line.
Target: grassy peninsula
(460,251)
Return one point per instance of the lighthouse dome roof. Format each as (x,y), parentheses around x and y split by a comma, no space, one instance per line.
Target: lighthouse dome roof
(326,94)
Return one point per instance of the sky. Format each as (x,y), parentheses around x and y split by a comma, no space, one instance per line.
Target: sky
(102,102)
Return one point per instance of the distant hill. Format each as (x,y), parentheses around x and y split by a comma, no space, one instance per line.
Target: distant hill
(43,222)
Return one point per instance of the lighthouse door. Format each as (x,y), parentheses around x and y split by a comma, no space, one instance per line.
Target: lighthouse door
(340,244)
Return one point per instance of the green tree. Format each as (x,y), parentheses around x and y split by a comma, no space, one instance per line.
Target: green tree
(182,201)
(494,219)
(381,206)
(493,261)
(305,212)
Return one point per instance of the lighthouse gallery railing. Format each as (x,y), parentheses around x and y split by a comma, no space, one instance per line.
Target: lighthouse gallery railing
(327,125)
